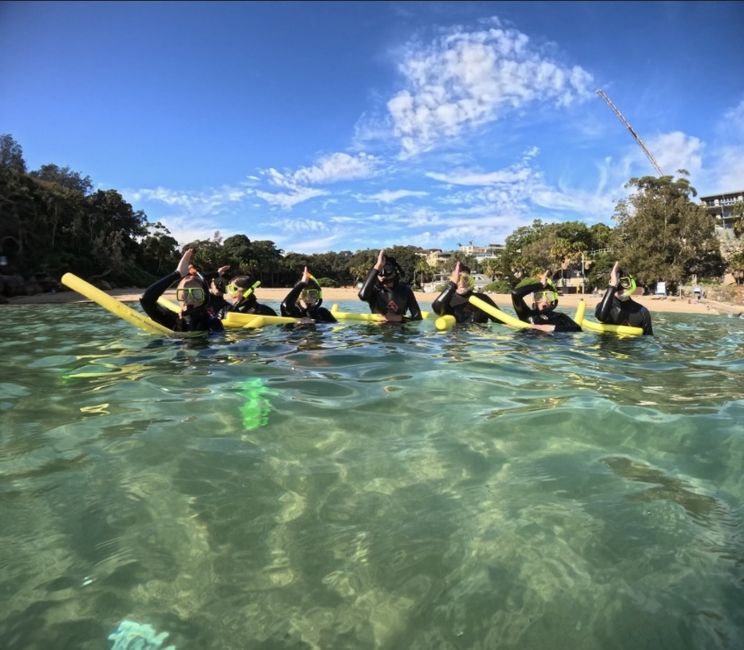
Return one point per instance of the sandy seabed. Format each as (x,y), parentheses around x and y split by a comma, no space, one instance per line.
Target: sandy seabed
(567,302)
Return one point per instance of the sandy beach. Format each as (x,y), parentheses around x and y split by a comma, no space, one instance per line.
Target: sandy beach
(275,296)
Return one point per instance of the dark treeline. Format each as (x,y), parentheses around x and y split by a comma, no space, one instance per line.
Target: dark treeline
(52,222)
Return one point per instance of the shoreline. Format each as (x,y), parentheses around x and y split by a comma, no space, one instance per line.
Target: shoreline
(348,294)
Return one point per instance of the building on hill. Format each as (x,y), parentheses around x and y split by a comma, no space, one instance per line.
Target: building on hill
(481,253)
(721,206)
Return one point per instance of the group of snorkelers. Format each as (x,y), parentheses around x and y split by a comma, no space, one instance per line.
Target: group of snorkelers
(205,299)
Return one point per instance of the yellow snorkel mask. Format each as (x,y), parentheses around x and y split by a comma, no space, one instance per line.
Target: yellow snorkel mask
(627,284)
(312,291)
(548,293)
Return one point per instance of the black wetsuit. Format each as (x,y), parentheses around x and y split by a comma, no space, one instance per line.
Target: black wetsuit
(562,322)
(457,305)
(250,305)
(193,319)
(614,311)
(290,307)
(216,303)
(396,300)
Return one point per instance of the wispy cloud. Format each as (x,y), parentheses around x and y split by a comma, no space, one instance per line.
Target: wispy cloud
(300,225)
(724,170)
(467,78)
(476,178)
(733,121)
(332,168)
(328,169)
(194,202)
(291,198)
(390,196)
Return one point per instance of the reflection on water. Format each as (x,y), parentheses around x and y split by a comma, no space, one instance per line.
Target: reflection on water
(358,486)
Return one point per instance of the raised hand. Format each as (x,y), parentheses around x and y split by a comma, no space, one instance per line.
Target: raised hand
(455,277)
(185,262)
(380,260)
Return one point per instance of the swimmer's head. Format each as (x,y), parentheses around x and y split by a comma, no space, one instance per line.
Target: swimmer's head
(191,291)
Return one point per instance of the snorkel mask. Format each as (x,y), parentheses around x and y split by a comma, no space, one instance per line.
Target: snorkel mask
(627,284)
(192,295)
(548,293)
(311,296)
(390,272)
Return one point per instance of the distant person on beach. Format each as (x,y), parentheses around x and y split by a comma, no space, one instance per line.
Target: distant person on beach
(618,308)
(241,293)
(191,293)
(454,299)
(542,315)
(386,293)
(304,301)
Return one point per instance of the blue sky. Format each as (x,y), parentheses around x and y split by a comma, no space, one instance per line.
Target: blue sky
(352,125)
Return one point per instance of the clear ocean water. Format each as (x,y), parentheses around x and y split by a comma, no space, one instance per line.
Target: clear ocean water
(356,486)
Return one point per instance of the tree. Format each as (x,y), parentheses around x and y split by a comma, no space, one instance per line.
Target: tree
(423,270)
(159,250)
(663,235)
(738,212)
(11,154)
(64,177)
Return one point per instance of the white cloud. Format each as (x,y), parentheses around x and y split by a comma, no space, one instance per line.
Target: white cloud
(727,173)
(337,167)
(675,151)
(309,246)
(328,169)
(595,206)
(193,202)
(476,178)
(464,79)
(734,121)
(290,199)
(390,196)
(300,225)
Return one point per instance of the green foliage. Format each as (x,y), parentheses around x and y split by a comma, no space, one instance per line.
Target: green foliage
(63,177)
(738,212)
(525,281)
(53,222)
(500,286)
(599,274)
(11,155)
(663,235)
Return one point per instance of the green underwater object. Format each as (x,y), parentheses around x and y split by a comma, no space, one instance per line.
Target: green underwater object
(255,409)
(130,635)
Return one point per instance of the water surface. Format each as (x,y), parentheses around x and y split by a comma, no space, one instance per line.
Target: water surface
(357,486)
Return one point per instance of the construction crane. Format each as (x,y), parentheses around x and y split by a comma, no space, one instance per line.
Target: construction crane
(627,125)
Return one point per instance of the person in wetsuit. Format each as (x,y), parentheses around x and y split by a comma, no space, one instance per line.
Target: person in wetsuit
(217,282)
(454,299)
(542,316)
(386,294)
(242,294)
(191,293)
(304,301)
(618,308)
